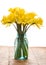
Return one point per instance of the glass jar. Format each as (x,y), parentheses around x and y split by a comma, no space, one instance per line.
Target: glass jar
(21,47)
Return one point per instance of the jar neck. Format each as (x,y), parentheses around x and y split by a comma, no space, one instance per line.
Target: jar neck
(21,35)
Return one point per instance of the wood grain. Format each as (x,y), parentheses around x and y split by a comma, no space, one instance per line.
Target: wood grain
(37,56)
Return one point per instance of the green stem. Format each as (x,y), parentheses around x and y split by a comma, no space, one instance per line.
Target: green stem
(21,44)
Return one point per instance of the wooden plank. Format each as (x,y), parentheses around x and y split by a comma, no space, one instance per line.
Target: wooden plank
(40,55)
(4,55)
(37,56)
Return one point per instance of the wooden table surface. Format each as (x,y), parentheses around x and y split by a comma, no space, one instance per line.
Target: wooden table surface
(37,56)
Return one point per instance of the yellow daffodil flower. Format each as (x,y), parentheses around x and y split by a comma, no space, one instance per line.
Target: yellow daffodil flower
(19,16)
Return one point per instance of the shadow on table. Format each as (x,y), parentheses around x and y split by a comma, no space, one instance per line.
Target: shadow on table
(20,62)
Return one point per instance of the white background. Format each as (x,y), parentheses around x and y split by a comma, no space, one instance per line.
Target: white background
(36,37)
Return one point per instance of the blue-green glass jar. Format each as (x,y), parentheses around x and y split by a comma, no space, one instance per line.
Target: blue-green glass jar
(21,47)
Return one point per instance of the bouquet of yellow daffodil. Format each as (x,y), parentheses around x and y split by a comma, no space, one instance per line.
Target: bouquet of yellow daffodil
(23,21)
